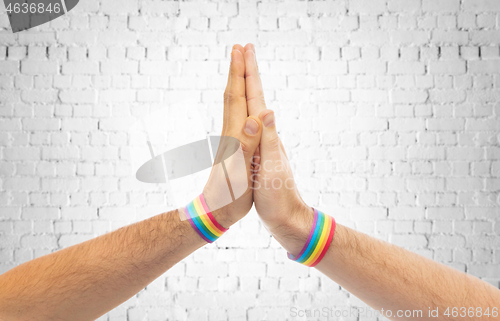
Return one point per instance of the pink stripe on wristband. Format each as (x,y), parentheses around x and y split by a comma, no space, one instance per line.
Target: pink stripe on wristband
(318,242)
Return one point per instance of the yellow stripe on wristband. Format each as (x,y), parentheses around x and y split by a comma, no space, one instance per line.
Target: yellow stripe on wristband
(322,241)
(206,220)
(318,242)
(202,220)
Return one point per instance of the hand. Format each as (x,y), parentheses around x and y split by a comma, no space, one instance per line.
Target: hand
(236,170)
(275,194)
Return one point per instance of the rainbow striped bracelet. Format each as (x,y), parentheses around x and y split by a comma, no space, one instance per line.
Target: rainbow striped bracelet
(319,240)
(202,220)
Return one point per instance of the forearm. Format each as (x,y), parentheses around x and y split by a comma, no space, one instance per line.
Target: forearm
(388,277)
(86,280)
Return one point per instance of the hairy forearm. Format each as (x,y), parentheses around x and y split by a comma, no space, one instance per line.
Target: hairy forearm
(388,277)
(86,280)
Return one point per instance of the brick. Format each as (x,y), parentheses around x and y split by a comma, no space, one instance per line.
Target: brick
(445,213)
(158,68)
(116,95)
(367,67)
(407,124)
(362,95)
(328,68)
(41,124)
(78,213)
(483,96)
(446,241)
(482,124)
(9,67)
(11,213)
(446,96)
(78,96)
(427,153)
(367,7)
(33,67)
(399,6)
(484,67)
(464,153)
(187,38)
(464,184)
(481,5)
(62,227)
(126,7)
(406,213)
(39,96)
(113,38)
(447,67)
(367,213)
(385,184)
(67,240)
(410,37)
(406,67)
(450,37)
(364,38)
(492,184)
(425,184)
(408,96)
(60,153)
(10,124)
(22,153)
(79,124)
(445,124)
(368,124)
(39,241)
(32,38)
(246,269)
(124,214)
(21,183)
(441,6)
(80,67)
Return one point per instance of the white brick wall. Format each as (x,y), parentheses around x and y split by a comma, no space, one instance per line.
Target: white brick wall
(388,108)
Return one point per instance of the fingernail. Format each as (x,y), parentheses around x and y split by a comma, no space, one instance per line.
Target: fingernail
(251,127)
(268,121)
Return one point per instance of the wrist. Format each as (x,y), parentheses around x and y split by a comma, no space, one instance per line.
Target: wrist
(222,216)
(292,234)
(203,220)
(230,213)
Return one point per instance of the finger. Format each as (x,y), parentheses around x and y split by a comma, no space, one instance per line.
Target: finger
(235,108)
(255,94)
(256,159)
(250,138)
(240,49)
(269,142)
(283,149)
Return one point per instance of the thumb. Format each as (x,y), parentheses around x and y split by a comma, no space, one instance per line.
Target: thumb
(250,138)
(270,141)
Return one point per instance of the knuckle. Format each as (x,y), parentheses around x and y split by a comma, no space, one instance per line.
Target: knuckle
(231,96)
(246,147)
(274,141)
(257,99)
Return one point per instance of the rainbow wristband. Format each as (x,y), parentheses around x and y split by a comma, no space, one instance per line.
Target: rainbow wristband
(202,220)
(319,240)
